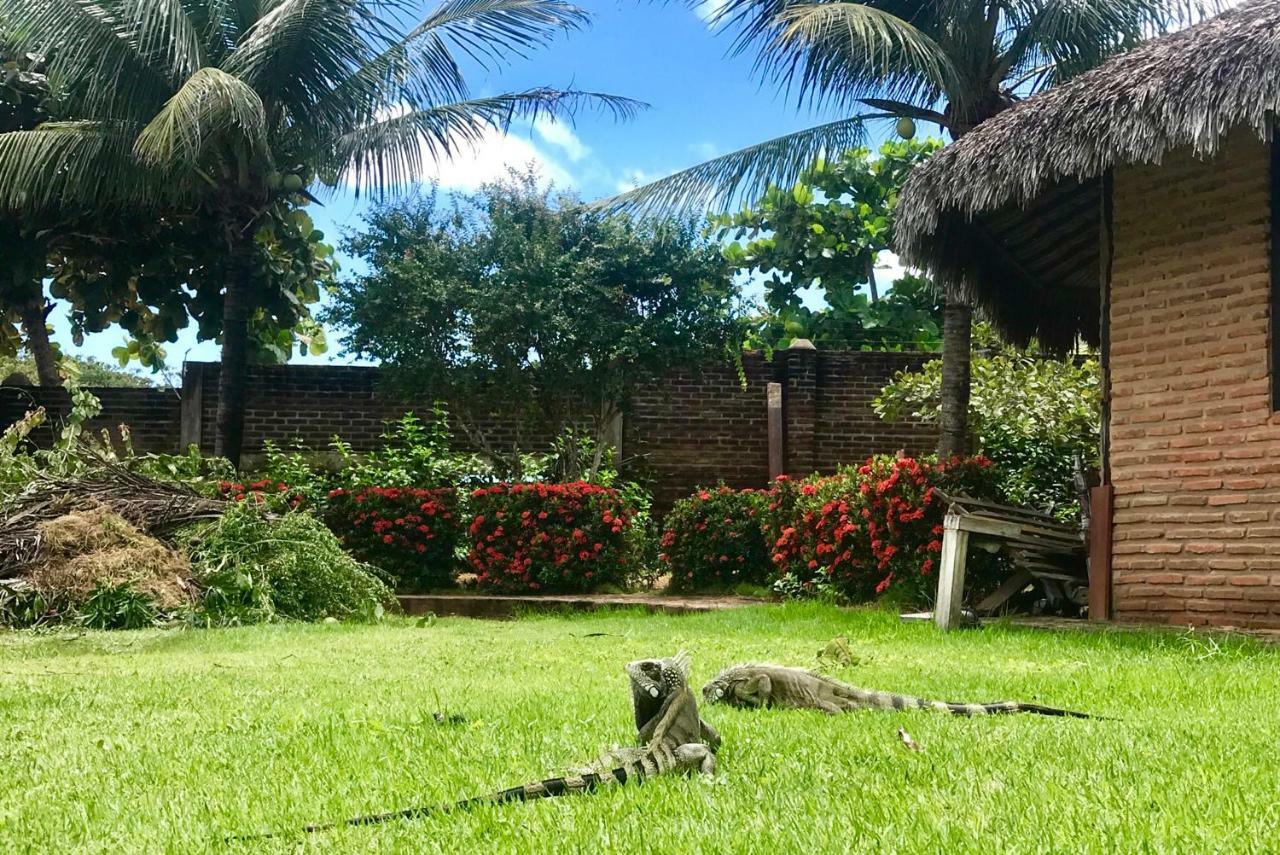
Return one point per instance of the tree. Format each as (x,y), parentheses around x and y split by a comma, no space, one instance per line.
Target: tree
(152,276)
(24,102)
(827,232)
(221,109)
(535,307)
(954,63)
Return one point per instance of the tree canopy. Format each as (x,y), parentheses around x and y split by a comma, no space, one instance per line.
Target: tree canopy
(828,232)
(516,300)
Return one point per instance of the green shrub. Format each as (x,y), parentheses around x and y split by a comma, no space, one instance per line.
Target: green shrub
(874,531)
(714,540)
(549,537)
(1032,416)
(257,568)
(118,607)
(409,533)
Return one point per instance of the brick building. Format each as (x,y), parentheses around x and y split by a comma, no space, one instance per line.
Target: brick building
(1136,207)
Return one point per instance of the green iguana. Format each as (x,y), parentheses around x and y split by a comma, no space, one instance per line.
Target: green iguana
(797,688)
(671,735)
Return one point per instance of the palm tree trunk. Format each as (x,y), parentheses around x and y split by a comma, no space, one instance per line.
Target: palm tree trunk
(29,299)
(232,376)
(957,321)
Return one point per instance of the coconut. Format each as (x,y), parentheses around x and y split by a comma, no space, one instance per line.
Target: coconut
(906,127)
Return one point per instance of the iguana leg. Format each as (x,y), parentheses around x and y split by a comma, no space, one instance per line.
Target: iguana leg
(696,755)
(710,735)
(828,707)
(755,692)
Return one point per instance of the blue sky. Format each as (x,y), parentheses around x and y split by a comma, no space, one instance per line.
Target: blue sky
(703,103)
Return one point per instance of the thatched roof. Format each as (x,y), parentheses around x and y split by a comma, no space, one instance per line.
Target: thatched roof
(1011,214)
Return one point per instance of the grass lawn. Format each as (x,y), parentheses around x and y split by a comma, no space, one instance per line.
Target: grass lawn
(169,740)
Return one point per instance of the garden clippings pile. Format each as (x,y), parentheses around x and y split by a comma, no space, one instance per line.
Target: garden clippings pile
(64,539)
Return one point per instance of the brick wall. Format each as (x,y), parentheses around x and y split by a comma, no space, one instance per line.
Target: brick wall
(697,427)
(1195,444)
(151,414)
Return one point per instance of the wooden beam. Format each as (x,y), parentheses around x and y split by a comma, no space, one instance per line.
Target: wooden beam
(997,598)
(955,548)
(1101,504)
(1106,258)
(1275,270)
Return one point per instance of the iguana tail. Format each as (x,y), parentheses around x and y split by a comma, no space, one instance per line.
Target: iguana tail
(907,702)
(545,789)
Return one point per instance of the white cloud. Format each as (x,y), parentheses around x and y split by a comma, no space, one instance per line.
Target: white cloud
(489,159)
(562,137)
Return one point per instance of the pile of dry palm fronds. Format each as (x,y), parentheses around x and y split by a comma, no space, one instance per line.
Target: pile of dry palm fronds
(156,508)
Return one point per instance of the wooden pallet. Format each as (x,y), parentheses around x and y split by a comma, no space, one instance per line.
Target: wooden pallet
(1040,547)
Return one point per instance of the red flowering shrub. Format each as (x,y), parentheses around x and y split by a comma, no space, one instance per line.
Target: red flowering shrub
(407,532)
(714,539)
(874,530)
(549,537)
(274,494)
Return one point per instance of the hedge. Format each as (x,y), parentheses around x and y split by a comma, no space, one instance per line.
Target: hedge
(549,537)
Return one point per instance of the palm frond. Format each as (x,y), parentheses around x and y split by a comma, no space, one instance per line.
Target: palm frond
(76,166)
(490,32)
(420,68)
(745,173)
(901,108)
(298,51)
(393,151)
(93,44)
(211,105)
(837,53)
(1074,36)
(162,31)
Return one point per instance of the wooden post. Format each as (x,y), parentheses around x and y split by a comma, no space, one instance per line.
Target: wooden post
(773,401)
(1106,258)
(1100,511)
(190,426)
(955,548)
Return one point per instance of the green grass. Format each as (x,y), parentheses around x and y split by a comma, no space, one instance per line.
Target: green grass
(167,741)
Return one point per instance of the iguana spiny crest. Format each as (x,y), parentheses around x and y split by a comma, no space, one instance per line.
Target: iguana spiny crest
(798,688)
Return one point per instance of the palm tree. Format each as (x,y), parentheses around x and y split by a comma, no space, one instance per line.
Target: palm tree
(225,106)
(954,63)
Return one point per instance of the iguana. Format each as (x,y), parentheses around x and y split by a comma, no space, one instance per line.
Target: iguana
(672,737)
(797,688)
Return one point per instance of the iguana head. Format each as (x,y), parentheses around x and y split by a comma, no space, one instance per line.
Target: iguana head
(737,686)
(714,691)
(655,680)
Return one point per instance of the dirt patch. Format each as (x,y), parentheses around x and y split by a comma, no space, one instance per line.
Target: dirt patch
(82,550)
